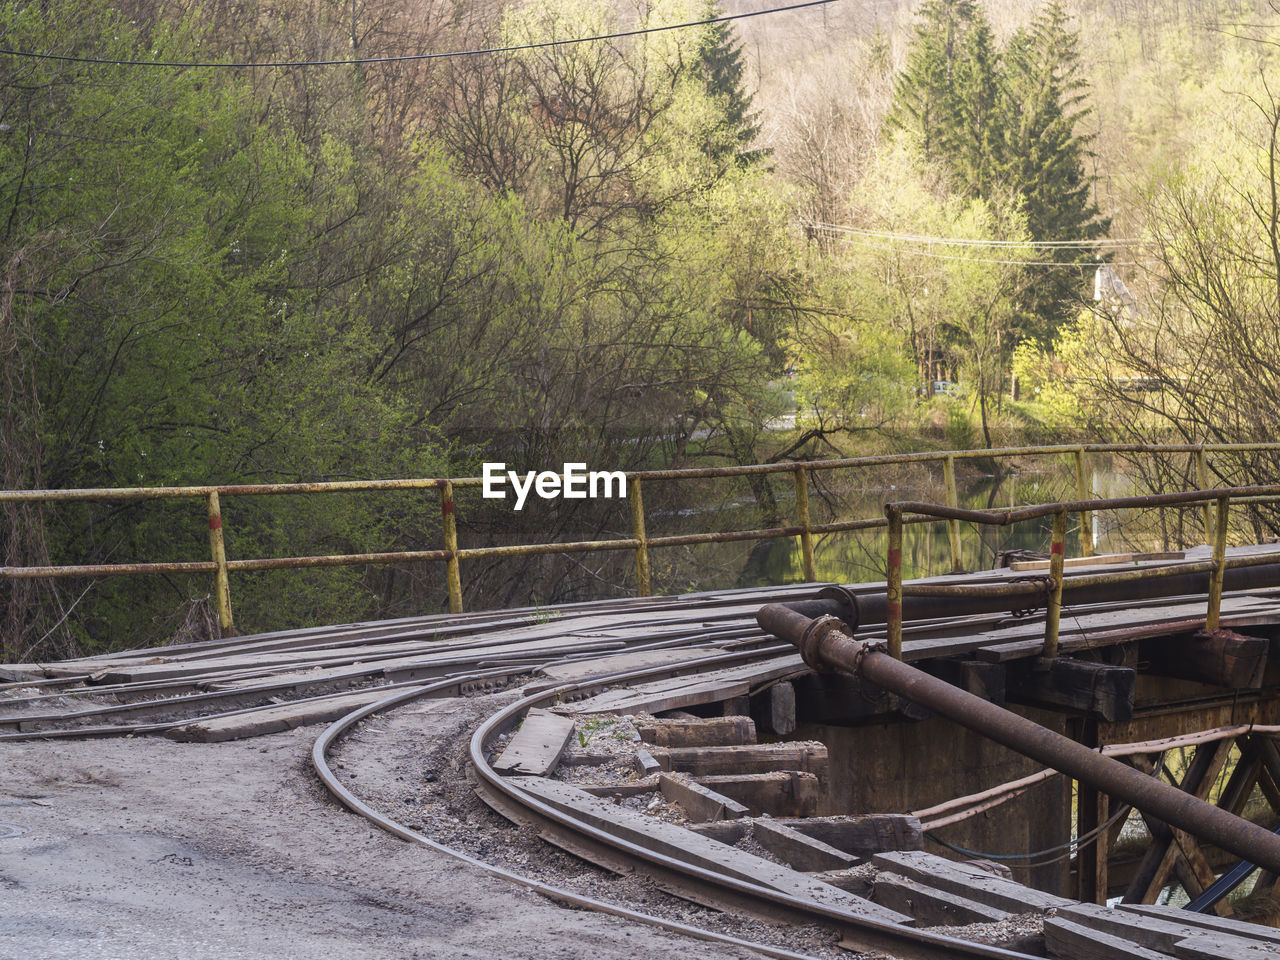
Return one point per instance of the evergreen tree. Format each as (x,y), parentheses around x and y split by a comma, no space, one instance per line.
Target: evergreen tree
(1005,125)
(974,135)
(1045,101)
(947,98)
(721,64)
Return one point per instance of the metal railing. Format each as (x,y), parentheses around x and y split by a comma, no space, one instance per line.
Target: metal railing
(897,514)
(640,542)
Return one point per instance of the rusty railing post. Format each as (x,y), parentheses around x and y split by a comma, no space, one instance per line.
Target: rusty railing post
(1219,566)
(802,516)
(1086,516)
(221,579)
(893,575)
(1202,478)
(637,532)
(953,525)
(453,573)
(1053,613)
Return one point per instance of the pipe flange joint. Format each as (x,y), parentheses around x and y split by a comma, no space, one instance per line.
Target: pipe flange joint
(814,634)
(848,602)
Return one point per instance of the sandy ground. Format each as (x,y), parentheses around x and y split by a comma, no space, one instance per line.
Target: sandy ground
(143,848)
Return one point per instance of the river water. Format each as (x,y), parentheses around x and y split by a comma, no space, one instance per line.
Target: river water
(859,556)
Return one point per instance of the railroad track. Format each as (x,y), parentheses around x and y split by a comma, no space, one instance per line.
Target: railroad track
(256,685)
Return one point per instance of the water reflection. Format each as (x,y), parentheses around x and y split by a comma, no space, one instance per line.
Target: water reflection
(859,556)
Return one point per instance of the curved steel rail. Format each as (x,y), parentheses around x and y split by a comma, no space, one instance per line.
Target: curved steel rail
(319,760)
(901,941)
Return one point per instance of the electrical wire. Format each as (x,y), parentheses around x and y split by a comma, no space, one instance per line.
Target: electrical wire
(1012,263)
(1070,847)
(443,55)
(965,242)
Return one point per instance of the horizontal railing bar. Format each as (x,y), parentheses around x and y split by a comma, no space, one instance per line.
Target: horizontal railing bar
(536,549)
(107,569)
(427,483)
(1081,580)
(1017,515)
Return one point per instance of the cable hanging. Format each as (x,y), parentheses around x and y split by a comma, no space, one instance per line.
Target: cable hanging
(443,55)
(964,242)
(1011,263)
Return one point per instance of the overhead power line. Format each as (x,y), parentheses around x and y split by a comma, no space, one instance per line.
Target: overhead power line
(1011,263)
(963,242)
(443,55)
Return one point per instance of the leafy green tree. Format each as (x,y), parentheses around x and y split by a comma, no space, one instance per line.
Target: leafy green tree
(174,321)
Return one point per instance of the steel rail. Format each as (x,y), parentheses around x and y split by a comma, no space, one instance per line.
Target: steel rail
(331,782)
(907,943)
(473,654)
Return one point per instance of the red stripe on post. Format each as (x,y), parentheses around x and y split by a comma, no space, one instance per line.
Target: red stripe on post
(215,522)
(895,609)
(1056,547)
(895,558)
(447,507)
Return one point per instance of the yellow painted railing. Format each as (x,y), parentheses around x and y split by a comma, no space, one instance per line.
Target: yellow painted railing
(896,514)
(452,556)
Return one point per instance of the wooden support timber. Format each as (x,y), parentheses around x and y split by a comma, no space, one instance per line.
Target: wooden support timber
(1098,690)
(1222,657)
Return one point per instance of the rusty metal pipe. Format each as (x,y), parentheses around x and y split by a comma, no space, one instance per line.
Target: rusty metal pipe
(826,644)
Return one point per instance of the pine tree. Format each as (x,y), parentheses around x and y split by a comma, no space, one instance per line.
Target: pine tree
(947,98)
(1045,99)
(1004,124)
(974,136)
(721,64)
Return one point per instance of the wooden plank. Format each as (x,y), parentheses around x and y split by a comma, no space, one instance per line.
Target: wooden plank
(1096,689)
(788,793)
(689,690)
(581,670)
(276,719)
(1216,946)
(1193,870)
(1102,559)
(780,838)
(628,700)
(646,765)
(864,835)
(931,907)
(1206,921)
(1107,628)
(797,850)
(856,883)
(808,756)
(713,732)
(1152,932)
(1222,657)
(673,841)
(968,881)
(700,804)
(630,788)
(1074,941)
(536,747)
(860,837)
(779,709)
